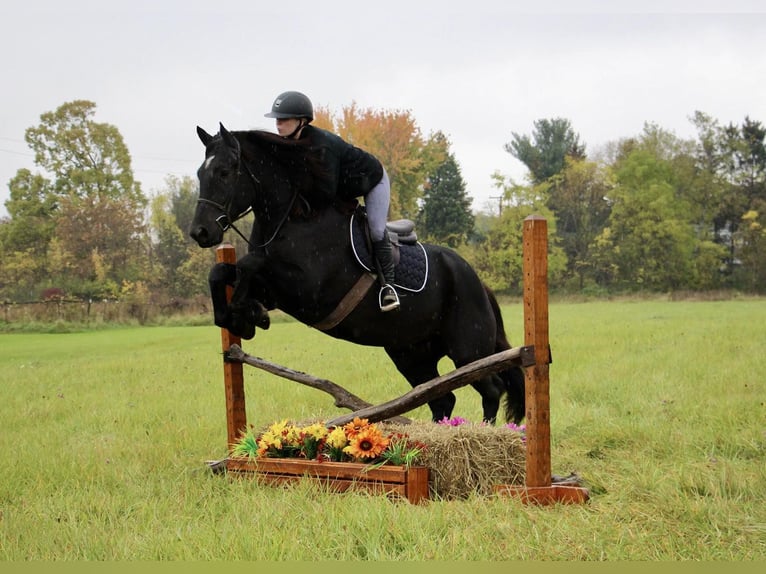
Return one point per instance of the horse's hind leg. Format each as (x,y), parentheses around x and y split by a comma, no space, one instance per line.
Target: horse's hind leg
(419,364)
(491,390)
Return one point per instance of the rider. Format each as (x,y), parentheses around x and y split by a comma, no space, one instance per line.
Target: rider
(359,174)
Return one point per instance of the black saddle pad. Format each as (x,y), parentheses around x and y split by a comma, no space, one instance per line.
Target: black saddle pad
(412,268)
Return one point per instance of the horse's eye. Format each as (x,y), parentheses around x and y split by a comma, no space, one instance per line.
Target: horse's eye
(224,173)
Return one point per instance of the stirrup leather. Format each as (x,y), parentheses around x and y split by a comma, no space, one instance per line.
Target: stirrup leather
(391,305)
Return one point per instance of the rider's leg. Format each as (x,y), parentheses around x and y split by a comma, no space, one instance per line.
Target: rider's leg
(377,202)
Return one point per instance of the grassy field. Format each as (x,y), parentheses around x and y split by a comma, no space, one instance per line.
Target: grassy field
(659,406)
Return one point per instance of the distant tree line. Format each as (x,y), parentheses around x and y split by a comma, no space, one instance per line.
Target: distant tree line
(651,213)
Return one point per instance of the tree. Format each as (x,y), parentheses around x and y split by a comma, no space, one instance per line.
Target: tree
(183,193)
(83,222)
(581,190)
(30,208)
(747,145)
(544,153)
(751,239)
(101,240)
(180,266)
(498,259)
(648,243)
(84,158)
(445,215)
(706,195)
(169,247)
(730,187)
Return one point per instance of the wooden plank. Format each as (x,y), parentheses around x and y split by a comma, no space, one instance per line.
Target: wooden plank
(300,467)
(535,270)
(434,388)
(233,378)
(417,490)
(408,482)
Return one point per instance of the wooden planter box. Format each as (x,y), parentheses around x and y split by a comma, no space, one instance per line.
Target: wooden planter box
(408,482)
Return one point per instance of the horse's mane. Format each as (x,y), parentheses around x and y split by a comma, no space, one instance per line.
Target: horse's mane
(301,162)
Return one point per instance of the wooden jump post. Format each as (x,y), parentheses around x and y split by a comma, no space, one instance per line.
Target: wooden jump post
(538,487)
(233,379)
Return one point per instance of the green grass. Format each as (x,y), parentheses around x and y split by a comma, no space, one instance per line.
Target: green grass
(658,405)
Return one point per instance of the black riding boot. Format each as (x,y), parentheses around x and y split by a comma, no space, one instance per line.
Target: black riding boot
(387,297)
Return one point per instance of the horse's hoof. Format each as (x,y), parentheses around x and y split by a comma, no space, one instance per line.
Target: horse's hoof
(245,330)
(261,319)
(252,315)
(240,327)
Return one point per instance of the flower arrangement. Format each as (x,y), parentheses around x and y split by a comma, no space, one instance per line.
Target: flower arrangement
(357,441)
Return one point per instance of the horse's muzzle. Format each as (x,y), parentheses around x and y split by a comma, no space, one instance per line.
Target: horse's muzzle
(203,237)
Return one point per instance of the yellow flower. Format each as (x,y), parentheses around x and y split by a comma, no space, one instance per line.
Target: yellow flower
(292,436)
(278,428)
(270,439)
(316,431)
(337,438)
(367,443)
(356,426)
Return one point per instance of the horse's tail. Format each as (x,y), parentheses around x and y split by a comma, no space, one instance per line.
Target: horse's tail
(513,379)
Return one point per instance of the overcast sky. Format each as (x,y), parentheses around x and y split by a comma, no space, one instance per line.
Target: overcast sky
(477,70)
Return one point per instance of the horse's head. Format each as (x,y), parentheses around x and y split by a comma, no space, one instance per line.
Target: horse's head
(223,195)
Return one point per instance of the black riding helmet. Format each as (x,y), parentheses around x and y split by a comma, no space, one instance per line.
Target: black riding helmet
(291,105)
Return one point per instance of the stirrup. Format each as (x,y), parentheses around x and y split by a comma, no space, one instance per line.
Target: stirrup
(385,294)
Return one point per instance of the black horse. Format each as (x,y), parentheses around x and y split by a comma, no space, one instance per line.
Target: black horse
(301,261)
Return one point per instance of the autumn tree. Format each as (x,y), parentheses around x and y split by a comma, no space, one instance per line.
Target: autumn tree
(396,140)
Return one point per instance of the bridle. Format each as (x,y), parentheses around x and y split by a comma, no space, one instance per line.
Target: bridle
(225,221)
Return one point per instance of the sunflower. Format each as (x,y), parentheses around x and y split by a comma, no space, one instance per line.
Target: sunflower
(356,426)
(367,443)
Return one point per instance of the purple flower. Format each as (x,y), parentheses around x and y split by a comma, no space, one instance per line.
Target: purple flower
(522,429)
(453,422)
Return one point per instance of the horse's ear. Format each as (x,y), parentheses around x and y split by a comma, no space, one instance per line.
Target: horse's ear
(228,138)
(204,136)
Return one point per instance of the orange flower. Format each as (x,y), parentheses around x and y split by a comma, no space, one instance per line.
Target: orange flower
(367,443)
(355,427)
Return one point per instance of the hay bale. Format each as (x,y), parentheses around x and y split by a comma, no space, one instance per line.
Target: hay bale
(466,459)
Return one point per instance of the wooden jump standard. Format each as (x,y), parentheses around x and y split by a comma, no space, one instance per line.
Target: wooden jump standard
(538,488)
(535,356)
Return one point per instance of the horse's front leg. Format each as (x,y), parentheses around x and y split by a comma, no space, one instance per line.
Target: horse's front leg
(244,313)
(221,276)
(246,300)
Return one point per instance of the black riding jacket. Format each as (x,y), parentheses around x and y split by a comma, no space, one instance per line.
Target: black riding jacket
(355,170)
